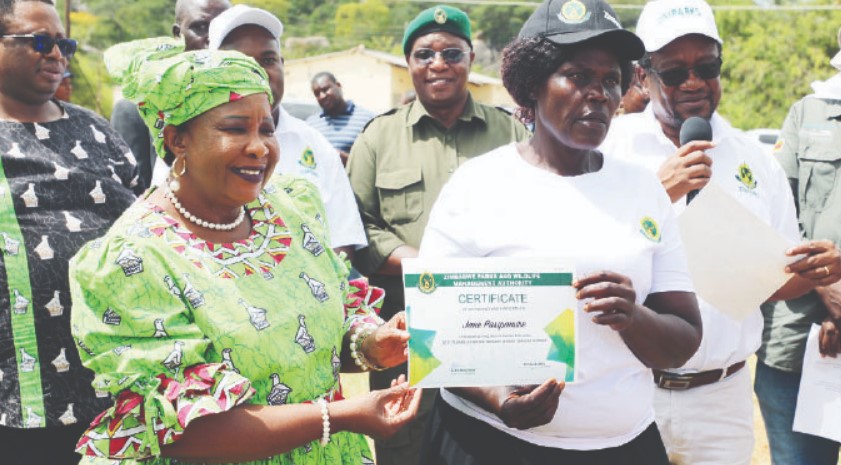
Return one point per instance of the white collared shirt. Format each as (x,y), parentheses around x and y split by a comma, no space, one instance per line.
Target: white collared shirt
(638,138)
(298,141)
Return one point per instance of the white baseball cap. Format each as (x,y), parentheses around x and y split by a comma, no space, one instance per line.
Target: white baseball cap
(241,15)
(663,21)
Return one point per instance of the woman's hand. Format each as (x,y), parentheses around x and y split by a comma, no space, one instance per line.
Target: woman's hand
(383,413)
(822,264)
(614,298)
(387,346)
(530,406)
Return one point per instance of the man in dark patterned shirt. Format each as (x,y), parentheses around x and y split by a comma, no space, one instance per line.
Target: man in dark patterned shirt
(65,177)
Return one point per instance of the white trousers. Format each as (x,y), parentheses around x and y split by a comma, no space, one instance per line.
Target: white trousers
(708,425)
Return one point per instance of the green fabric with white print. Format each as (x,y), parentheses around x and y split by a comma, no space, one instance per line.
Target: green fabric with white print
(267,312)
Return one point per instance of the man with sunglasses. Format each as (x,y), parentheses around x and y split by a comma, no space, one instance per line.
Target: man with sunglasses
(704,409)
(399,163)
(65,177)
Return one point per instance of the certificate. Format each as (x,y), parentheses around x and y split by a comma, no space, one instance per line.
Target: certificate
(818,409)
(490,321)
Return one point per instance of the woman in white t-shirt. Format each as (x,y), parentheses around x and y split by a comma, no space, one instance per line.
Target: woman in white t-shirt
(556,195)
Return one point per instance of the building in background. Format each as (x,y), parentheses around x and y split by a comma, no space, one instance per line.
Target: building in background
(374,80)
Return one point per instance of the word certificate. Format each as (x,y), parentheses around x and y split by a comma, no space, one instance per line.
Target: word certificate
(490,321)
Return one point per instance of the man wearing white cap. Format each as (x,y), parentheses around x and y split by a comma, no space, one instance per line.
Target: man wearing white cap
(704,409)
(808,150)
(304,151)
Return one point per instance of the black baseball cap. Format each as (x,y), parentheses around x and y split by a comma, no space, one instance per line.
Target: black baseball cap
(568,22)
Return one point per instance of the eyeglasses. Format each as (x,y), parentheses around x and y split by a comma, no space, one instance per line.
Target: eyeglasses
(426,56)
(676,76)
(44,44)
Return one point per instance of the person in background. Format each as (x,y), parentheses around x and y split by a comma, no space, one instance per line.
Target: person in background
(705,408)
(65,177)
(558,195)
(808,150)
(192,20)
(65,89)
(212,311)
(636,98)
(256,33)
(341,120)
(400,162)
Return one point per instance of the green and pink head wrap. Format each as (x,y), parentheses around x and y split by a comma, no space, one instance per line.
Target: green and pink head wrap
(172,87)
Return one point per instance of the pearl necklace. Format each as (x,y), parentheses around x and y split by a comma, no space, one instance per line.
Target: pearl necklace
(198,221)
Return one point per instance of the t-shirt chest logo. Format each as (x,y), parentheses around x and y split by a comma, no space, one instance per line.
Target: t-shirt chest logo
(745,177)
(308,159)
(650,229)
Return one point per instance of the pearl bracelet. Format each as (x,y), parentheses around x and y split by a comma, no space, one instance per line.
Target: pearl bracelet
(325,422)
(360,333)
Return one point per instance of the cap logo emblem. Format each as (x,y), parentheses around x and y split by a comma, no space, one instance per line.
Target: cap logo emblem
(440,16)
(573,12)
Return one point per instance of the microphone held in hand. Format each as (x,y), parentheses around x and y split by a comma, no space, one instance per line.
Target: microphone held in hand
(695,128)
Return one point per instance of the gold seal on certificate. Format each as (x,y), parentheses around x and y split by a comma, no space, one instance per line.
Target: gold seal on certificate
(490,321)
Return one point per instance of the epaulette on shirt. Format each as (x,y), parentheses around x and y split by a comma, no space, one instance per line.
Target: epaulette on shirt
(389,112)
(505,110)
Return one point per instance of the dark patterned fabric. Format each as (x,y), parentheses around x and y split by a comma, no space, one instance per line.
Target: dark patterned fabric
(62,184)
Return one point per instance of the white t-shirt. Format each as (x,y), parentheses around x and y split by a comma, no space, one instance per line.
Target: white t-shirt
(305,152)
(639,139)
(500,205)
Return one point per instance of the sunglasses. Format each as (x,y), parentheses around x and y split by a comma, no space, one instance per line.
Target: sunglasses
(426,56)
(44,44)
(676,76)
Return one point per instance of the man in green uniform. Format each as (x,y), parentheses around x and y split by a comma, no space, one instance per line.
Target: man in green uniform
(809,150)
(399,163)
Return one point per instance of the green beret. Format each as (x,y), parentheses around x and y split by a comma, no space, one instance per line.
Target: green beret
(441,18)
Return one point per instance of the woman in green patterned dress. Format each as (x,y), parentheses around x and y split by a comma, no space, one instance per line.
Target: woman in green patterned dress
(214,311)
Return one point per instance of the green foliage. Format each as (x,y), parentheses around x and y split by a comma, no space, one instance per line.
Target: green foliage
(499,26)
(770,59)
(358,22)
(91,86)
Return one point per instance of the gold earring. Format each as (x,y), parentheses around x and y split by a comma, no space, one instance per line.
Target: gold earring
(174,183)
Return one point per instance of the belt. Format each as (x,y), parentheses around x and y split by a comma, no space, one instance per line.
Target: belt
(682,382)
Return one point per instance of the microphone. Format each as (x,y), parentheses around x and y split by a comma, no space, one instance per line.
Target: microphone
(695,128)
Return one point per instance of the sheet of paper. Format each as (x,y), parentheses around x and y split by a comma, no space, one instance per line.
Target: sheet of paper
(490,321)
(819,401)
(735,259)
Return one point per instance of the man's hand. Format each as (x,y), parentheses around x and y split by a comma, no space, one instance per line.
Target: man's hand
(822,264)
(689,169)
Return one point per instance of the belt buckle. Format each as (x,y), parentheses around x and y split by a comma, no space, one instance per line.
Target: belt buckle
(674,382)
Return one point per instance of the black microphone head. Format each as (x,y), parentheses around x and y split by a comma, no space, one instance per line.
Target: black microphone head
(695,128)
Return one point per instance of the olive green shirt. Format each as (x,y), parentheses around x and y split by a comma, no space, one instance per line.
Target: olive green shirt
(399,164)
(809,150)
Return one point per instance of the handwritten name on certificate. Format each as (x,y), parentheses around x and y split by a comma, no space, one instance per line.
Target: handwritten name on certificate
(490,321)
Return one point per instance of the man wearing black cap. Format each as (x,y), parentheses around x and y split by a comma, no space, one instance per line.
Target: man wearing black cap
(399,163)
(704,408)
